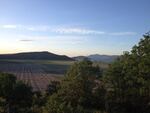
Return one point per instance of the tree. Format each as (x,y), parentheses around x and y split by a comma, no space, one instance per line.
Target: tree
(2,105)
(15,95)
(22,98)
(128,80)
(7,83)
(53,87)
(76,90)
(38,102)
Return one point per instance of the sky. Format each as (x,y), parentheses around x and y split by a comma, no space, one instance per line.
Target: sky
(72,27)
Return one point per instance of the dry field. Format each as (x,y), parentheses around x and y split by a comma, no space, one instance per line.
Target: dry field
(36,74)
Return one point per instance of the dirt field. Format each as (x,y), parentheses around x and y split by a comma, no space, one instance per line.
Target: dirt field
(37,74)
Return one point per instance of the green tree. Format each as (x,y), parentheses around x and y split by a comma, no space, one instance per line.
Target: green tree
(15,96)
(128,81)
(2,105)
(7,83)
(21,98)
(53,87)
(38,102)
(75,94)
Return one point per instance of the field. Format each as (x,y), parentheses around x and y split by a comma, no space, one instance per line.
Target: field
(38,74)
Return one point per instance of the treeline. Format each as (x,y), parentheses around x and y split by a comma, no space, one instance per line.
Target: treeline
(123,88)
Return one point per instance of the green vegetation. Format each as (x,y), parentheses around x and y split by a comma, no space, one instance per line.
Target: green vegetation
(76,92)
(122,88)
(128,81)
(48,66)
(15,96)
(39,61)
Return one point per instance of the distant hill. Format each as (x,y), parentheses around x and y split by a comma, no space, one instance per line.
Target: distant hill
(103,58)
(97,57)
(35,56)
(79,58)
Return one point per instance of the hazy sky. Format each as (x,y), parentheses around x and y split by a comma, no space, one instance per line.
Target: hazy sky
(72,27)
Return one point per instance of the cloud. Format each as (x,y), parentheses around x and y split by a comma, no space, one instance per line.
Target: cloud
(58,30)
(25,27)
(79,31)
(26,40)
(29,37)
(122,33)
(36,28)
(65,30)
(59,39)
(9,26)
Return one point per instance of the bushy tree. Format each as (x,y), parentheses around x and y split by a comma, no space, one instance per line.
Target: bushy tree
(128,80)
(38,102)
(76,90)
(2,105)
(15,96)
(7,84)
(52,87)
(21,98)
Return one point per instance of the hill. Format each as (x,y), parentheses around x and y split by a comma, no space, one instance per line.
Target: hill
(103,58)
(35,56)
(99,58)
(79,58)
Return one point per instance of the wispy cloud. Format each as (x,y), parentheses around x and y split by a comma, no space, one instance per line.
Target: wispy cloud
(26,40)
(29,38)
(81,31)
(37,28)
(122,33)
(65,30)
(52,39)
(25,27)
(9,26)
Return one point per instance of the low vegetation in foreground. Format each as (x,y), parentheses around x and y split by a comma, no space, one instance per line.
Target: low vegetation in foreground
(123,88)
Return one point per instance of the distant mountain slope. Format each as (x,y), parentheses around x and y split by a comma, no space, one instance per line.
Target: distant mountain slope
(97,57)
(79,58)
(35,56)
(103,58)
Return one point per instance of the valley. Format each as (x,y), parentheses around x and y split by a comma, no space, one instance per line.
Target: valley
(36,73)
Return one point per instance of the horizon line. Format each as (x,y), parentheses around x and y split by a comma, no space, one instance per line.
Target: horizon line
(9,53)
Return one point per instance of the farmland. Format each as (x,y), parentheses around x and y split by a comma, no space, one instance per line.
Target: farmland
(37,73)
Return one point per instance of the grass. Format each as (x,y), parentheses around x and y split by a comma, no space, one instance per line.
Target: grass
(33,70)
(49,66)
(40,61)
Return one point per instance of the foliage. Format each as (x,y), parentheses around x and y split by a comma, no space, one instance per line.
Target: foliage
(15,96)
(38,102)
(22,98)
(128,81)
(76,90)
(2,105)
(53,87)
(7,83)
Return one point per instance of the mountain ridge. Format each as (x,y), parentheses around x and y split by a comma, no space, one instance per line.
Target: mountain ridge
(44,55)
(98,57)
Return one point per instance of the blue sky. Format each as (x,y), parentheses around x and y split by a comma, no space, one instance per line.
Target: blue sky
(72,27)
